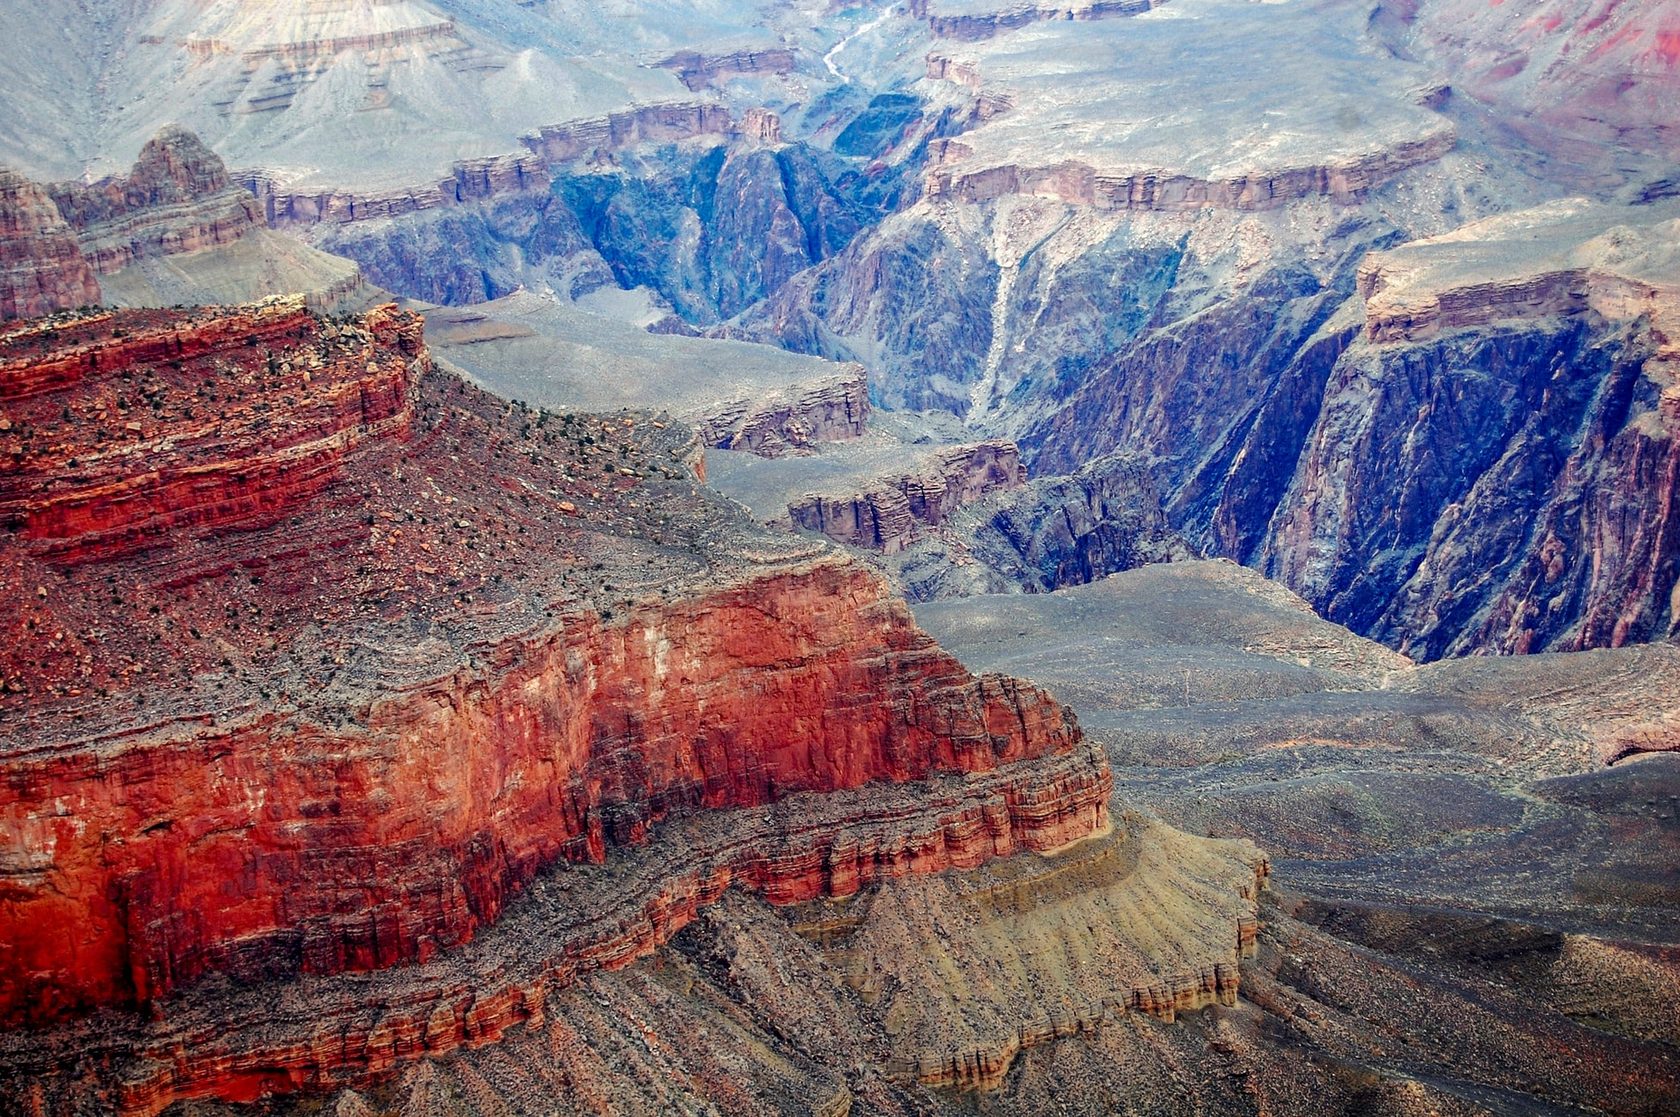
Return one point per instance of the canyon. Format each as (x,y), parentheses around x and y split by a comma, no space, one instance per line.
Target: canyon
(556,549)
(321,585)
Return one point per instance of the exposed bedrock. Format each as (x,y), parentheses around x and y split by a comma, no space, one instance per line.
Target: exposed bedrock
(482,179)
(699,70)
(1162,190)
(1453,443)
(471,180)
(44,269)
(140,451)
(1522,372)
(762,713)
(1532,508)
(953,22)
(890,512)
(173,230)
(1052,533)
(712,229)
(791,419)
(177,199)
(715,231)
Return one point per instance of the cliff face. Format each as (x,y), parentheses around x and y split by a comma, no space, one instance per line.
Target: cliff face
(700,71)
(717,230)
(1449,441)
(1536,513)
(398,650)
(889,513)
(975,25)
(177,199)
(831,410)
(471,180)
(174,229)
(417,828)
(1083,185)
(116,444)
(44,267)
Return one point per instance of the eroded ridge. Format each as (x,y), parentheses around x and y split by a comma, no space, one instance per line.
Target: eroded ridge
(314,731)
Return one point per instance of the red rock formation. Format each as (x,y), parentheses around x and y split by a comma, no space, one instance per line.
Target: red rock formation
(41,267)
(888,513)
(326,1034)
(369,691)
(360,848)
(102,466)
(176,199)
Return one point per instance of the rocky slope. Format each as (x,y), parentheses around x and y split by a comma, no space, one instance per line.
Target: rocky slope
(177,199)
(480,641)
(1588,85)
(752,398)
(1472,459)
(1546,524)
(1469,911)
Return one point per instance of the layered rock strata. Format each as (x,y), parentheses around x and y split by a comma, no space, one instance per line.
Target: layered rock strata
(506,176)
(664,123)
(1572,307)
(700,71)
(950,21)
(410,650)
(471,180)
(117,444)
(1571,258)
(975,970)
(174,229)
(795,419)
(44,269)
(1160,190)
(889,511)
(177,199)
(1143,134)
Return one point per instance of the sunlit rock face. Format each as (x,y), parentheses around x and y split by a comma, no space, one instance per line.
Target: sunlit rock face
(399,716)
(480,642)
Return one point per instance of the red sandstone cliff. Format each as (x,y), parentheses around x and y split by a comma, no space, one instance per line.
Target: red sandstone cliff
(42,268)
(324,685)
